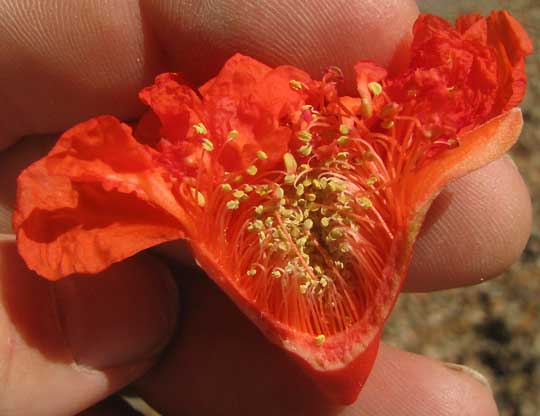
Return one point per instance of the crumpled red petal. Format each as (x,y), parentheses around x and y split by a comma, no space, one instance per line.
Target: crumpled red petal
(95,199)
(251,98)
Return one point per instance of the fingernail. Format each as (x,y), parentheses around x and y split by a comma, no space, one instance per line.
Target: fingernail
(119,317)
(508,158)
(471,373)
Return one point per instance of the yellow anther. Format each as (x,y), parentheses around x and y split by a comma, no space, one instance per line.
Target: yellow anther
(304,166)
(289,179)
(336,232)
(233,204)
(262,236)
(276,274)
(339,264)
(284,211)
(343,129)
(201,201)
(364,202)
(342,155)
(344,248)
(305,150)
(233,134)
(200,128)
(248,188)
(283,247)
(311,197)
(258,225)
(280,193)
(269,221)
(207,145)
(319,339)
(307,182)
(239,194)
(375,88)
(300,189)
(304,287)
(317,184)
(251,170)
(238,178)
(251,272)
(290,163)
(259,209)
(323,281)
(305,136)
(261,155)
(372,180)
(342,140)
(332,186)
(295,85)
(342,198)
(323,183)
(308,224)
(387,124)
(325,221)
(226,187)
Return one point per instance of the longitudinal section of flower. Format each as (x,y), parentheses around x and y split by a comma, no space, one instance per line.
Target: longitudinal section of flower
(307,239)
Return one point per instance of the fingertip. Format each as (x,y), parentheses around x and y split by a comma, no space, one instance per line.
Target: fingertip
(123,316)
(86,339)
(476,228)
(416,385)
(310,37)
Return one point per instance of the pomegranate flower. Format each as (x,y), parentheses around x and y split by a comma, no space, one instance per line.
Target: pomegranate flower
(302,205)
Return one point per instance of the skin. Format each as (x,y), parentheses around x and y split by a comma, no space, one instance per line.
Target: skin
(77,341)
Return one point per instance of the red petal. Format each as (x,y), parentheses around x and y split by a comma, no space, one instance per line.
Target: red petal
(96,199)
(513,44)
(176,105)
(251,98)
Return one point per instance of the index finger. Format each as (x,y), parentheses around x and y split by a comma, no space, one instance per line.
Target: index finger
(68,61)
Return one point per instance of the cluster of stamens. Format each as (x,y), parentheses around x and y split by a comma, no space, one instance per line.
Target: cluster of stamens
(308,238)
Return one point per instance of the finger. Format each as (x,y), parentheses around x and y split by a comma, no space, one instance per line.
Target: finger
(75,342)
(476,228)
(221,365)
(55,77)
(310,36)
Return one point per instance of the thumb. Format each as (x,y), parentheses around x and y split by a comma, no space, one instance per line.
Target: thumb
(73,342)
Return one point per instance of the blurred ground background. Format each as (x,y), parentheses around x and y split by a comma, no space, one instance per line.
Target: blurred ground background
(495,327)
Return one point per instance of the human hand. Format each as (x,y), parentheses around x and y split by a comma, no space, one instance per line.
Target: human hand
(74,342)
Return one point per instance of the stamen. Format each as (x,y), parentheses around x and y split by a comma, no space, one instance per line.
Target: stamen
(319,339)
(375,88)
(295,85)
(207,145)
(290,163)
(200,128)
(261,155)
(251,170)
